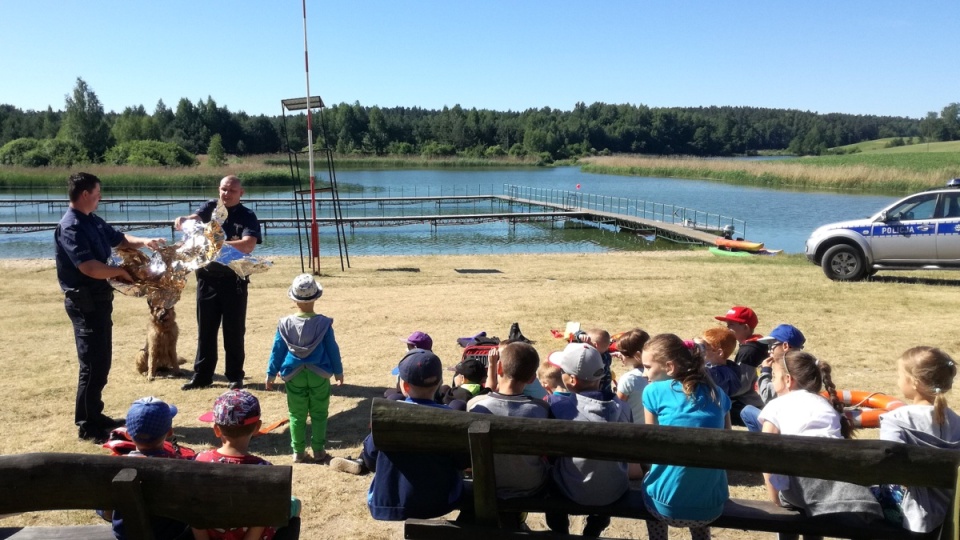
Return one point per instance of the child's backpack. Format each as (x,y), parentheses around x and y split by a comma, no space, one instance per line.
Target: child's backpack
(478,352)
(120,444)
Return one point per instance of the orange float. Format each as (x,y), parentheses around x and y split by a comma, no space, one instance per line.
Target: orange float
(864,408)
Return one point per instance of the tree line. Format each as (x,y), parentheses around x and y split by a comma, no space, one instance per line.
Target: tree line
(548,133)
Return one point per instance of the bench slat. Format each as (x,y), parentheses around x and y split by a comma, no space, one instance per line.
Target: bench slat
(737,514)
(205,495)
(85,532)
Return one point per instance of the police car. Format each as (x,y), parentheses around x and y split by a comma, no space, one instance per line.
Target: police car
(921,231)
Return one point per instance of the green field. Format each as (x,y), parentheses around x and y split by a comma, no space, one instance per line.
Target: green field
(880,145)
(945,157)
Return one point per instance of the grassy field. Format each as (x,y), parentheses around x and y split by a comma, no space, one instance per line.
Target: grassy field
(880,146)
(884,173)
(860,328)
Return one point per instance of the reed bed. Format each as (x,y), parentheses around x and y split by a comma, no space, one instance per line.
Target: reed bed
(352,161)
(898,174)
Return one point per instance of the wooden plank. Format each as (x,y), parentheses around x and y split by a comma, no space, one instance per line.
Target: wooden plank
(438,529)
(400,427)
(85,532)
(206,495)
(484,474)
(128,500)
(951,525)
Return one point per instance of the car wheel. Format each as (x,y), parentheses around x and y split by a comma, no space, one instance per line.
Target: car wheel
(844,263)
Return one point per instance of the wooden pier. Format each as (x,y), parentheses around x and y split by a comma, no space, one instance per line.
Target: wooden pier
(563,208)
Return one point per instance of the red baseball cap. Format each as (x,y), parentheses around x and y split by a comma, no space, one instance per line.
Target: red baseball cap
(740,314)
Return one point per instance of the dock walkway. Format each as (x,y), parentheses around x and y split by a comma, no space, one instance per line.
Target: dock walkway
(517,205)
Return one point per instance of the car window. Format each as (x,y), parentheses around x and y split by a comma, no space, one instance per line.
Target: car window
(914,208)
(951,205)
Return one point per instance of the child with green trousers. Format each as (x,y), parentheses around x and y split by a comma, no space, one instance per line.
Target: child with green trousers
(305,354)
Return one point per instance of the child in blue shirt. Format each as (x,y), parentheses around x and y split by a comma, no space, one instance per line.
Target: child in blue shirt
(681,393)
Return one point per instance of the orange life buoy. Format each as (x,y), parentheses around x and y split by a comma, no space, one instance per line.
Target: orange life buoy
(864,408)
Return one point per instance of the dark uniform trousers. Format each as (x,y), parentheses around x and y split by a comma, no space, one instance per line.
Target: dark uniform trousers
(91,314)
(221,299)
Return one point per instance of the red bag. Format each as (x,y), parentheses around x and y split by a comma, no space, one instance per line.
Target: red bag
(120,444)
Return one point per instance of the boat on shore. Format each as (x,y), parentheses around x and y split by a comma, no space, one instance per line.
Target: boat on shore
(738,245)
(725,231)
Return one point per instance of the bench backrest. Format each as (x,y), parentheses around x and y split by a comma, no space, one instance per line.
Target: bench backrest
(205,495)
(404,427)
(399,426)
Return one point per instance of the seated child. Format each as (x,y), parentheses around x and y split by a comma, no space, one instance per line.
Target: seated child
(681,393)
(236,417)
(783,338)
(590,482)
(149,423)
(600,340)
(305,354)
(800,410)
(416,340)
(549,377)
(631,384)
(516,366)
(719,344)
(414,485)
(925,375)
(468,379)
(534,389)
(742,321)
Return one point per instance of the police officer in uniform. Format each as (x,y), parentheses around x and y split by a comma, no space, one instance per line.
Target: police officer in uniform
(83,246)
(221,293)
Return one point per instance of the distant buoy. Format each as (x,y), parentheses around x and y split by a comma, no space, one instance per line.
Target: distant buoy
(578,186)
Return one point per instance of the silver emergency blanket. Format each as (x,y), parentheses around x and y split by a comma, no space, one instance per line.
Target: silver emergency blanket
(161,277)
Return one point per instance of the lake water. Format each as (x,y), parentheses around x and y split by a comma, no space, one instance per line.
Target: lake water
(780,219)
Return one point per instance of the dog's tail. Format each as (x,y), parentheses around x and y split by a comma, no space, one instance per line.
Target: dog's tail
(141,361)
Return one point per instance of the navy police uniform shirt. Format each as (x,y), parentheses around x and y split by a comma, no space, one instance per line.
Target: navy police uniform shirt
(241,221)
(80,238)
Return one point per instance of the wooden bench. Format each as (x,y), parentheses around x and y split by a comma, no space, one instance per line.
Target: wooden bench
(205,495)
(402,427)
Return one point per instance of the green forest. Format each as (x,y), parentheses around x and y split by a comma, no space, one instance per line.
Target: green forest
(84,132)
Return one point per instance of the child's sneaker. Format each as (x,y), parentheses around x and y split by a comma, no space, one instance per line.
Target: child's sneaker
(301,457)
(348,465)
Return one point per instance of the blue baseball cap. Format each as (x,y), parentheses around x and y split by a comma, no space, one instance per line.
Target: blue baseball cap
(149,419)
(420,367)
(785,333)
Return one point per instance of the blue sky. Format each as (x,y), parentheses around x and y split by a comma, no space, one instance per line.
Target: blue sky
(860,57)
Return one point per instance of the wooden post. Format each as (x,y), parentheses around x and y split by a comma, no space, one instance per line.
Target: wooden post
(484,476)
(128,500)
(951,525)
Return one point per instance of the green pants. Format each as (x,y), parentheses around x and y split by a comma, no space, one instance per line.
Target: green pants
(308,393)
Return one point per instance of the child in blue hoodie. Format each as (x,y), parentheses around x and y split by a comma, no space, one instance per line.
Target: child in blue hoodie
(305,355)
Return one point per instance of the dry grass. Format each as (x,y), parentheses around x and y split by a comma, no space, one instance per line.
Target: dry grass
(860,328)
(776,173)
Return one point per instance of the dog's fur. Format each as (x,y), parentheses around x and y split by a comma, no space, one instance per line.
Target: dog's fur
(159,354)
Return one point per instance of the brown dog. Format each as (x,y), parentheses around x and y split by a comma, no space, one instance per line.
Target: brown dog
(159,354)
